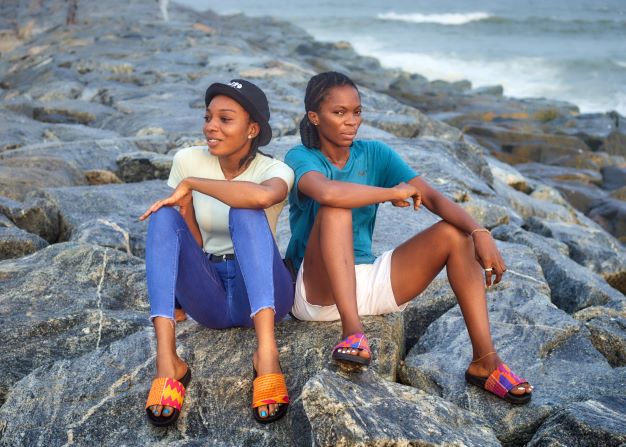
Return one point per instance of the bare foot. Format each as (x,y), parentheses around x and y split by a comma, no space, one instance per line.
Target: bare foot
(179,315)
(266,362)
(174,368)
(487,365)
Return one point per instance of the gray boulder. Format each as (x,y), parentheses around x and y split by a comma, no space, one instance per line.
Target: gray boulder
(589,246)
(86,398)
(572,286)
(594,422)
(615,143)
(105,214)
(141,166)
(15,242)
(538,341)
(608,335)
(361,409)
(37,216)
(610,214)
(21,175)
(613,177)
(64,301)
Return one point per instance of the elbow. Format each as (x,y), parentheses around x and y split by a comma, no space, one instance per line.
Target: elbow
(326,197)
(265,200)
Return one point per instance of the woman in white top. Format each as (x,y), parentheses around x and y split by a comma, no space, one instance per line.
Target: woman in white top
(216,257)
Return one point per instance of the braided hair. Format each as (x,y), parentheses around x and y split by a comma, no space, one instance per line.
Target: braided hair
(316,91)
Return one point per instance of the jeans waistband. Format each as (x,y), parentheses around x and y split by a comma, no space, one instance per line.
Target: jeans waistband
(221,258)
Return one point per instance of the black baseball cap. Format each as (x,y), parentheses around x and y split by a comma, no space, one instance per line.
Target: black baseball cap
(251,98)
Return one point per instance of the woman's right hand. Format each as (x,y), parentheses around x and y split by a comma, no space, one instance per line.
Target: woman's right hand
(181,197)
(404,191)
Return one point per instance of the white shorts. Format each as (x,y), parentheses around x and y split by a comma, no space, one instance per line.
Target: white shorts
(374,295)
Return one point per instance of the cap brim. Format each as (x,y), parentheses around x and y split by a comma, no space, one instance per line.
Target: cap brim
(265,135)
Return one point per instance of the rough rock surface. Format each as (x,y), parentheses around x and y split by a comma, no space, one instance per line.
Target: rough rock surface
(368,411)
(15,242)
(64,301)
(592,422)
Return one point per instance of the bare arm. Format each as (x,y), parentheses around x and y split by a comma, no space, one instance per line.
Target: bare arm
(189,215)
(241,194)
(349,195)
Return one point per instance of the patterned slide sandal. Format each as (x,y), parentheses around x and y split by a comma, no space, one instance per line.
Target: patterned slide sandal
(170,392)
(500,382)
(269,389)
(354,341)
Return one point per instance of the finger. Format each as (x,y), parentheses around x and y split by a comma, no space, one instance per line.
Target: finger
(417,201)
(488,276)
(498,272)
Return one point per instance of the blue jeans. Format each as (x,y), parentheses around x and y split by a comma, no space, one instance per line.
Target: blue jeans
(216,295)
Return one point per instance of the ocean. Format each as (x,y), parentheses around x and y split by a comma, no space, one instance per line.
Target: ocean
(572,50)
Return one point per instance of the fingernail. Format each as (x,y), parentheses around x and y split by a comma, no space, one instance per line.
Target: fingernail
(263,414)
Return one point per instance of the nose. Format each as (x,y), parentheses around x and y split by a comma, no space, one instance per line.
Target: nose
(210,125)
(352,119)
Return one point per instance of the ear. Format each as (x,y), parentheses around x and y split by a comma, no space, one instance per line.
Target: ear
(313,117)
(254,129)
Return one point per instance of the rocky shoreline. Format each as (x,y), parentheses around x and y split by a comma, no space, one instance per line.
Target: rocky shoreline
(90,117)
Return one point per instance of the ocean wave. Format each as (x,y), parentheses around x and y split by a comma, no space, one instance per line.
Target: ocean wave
(442,19)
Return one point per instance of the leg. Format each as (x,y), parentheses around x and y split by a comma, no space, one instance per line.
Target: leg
(267,286)
(329,276)
(447,246)
(177,270)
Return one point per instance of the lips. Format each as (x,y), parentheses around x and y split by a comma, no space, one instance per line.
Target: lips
(212,142)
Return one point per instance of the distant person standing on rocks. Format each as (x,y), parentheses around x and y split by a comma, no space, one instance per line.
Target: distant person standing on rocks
(339,182)
(216,256)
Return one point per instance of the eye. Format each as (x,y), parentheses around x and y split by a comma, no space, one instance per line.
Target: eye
(339,112)
(358,112)
(207,118)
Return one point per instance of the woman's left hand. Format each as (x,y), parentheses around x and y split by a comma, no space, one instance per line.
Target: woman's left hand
(180,197)
(488,257)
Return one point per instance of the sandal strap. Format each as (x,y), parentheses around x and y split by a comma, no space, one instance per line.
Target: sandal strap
(166,391)
(269,389)
(354,341)
(502,380)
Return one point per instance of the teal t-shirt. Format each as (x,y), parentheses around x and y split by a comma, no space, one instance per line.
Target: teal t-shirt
(371,163)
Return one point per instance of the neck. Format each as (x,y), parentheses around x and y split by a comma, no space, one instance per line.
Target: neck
(231,164)
(338,156)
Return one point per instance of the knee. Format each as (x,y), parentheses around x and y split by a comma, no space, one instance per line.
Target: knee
(454,236)
(164,219)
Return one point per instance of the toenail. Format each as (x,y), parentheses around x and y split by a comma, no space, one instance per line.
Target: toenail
(155,412)
(166,411)
(263,414)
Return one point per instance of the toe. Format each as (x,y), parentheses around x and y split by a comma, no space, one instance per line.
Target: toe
(156,410)
(272,409)
(167,411)
(263,411)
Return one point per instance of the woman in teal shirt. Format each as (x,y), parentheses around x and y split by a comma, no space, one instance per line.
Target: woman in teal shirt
(339,182)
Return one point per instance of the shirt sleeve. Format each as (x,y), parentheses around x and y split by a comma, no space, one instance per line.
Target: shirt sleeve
(301,162)
(396,170)
(177,173)
(280,170)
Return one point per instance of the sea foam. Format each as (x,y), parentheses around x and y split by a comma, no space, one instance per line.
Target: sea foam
(442,19)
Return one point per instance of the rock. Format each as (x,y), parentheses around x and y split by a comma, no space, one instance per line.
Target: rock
(508,175)
(432,303)
(538,341)
(141,166)
(540,172)
(87,155)
(619,194)
(111,383)
(592,128)
(105,214)
(17,130)
(21,175)
(487,214)
(15,243)
(613,177)
(64,111)
(610,214)
(64,301)
(581,196)
(572,286)
(101,177)
(362,409)
(36,216)
(615,143)
(589,246)
(608,335)
(592,422)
